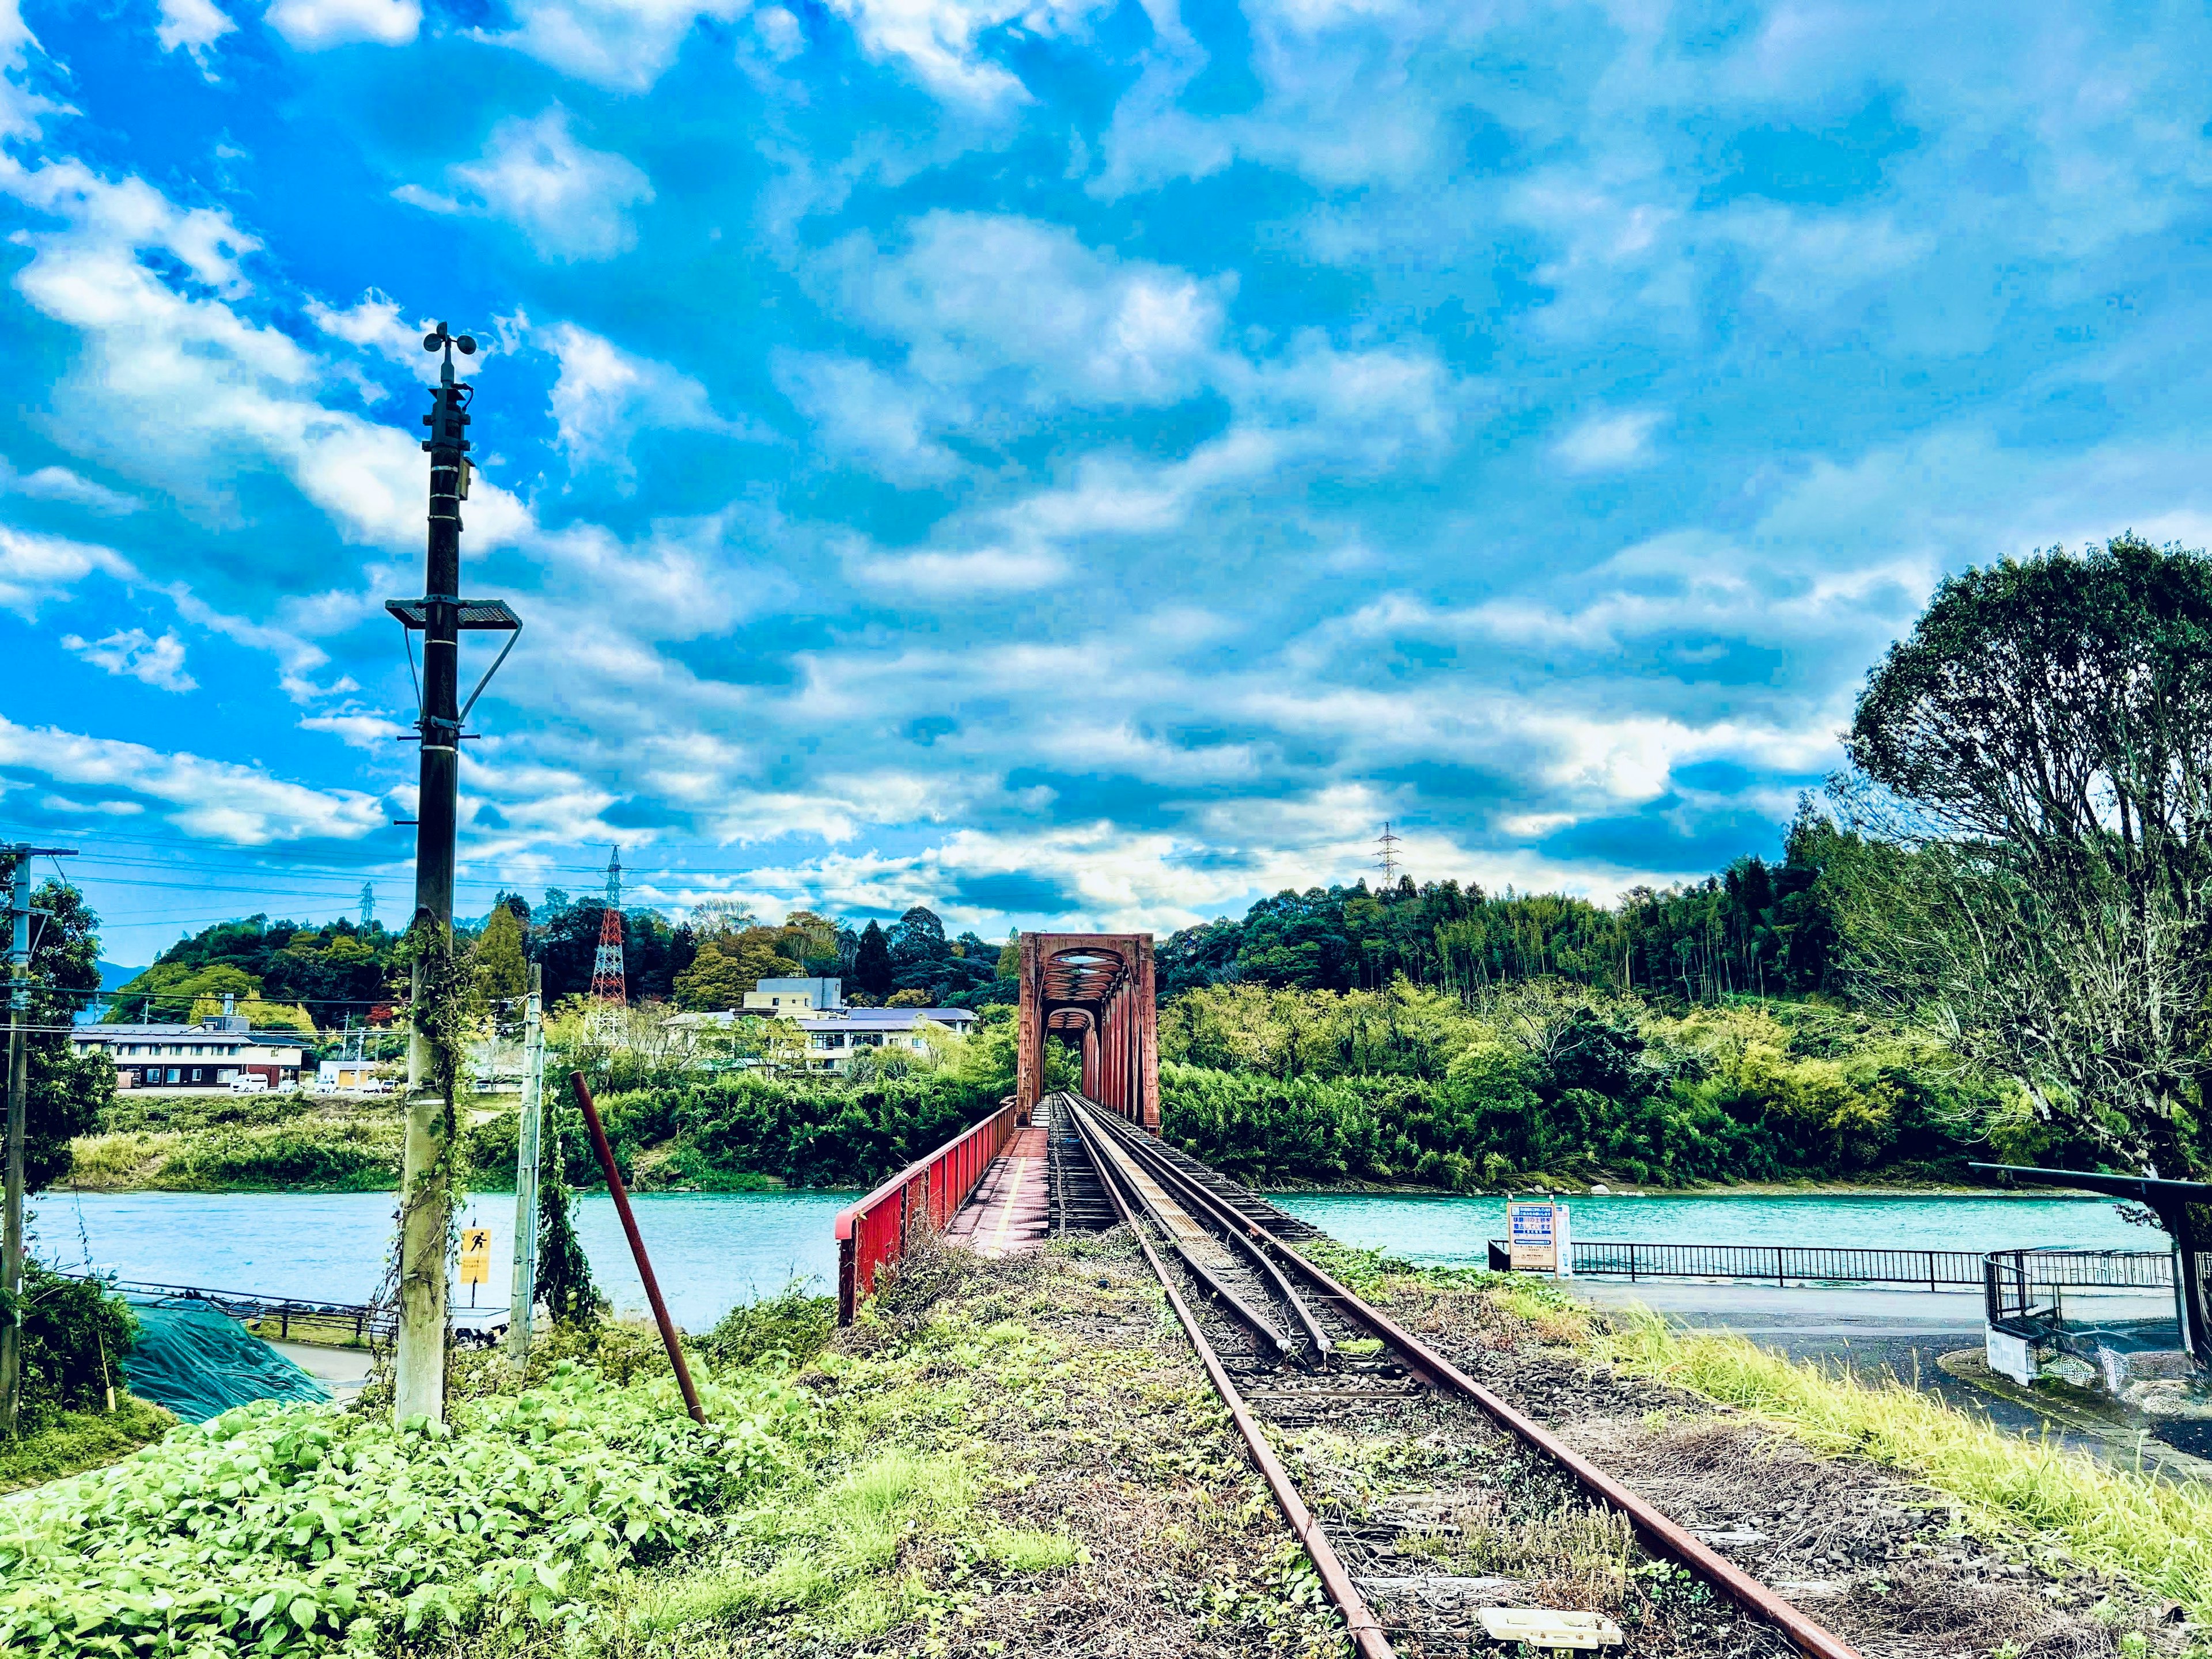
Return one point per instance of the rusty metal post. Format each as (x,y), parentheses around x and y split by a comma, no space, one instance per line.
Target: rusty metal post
(1029,1034)
(1148,1038)
(606,1156)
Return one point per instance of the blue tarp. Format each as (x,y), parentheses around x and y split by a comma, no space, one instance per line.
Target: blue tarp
(199,1361)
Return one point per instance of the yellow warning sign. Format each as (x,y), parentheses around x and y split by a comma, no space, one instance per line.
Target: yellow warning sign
(476,1255)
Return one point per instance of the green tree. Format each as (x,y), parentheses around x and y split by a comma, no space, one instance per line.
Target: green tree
(66,1091)
(871,963)
(2035,765)
(502,972)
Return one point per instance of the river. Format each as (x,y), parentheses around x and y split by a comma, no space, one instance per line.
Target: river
(713,1250)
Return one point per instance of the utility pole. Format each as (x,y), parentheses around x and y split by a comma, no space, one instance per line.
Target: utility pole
(522,1302)
(19,1106)
(441,615)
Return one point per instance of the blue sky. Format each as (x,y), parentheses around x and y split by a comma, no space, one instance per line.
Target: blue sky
(1060,463)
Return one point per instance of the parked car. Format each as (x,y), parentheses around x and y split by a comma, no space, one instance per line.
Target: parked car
(249,1083)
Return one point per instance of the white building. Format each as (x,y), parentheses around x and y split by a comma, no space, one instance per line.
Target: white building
(786,998)
(207,1056)
(831,1043)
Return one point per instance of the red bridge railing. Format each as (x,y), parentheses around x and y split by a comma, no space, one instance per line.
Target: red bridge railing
(926,1194)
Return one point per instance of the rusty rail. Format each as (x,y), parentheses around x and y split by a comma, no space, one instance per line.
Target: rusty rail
(925,1195)
(1657,1531)
(1359,1619)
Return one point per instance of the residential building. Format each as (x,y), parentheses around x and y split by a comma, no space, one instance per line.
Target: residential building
(787,998)
(207,1056)
(832,1043)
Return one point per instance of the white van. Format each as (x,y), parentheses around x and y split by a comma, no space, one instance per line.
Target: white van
(249,1083)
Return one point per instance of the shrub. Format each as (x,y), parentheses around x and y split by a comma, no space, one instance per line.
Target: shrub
(75,1336)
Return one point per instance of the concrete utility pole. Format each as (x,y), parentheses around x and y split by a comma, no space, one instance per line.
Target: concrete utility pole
(19,1106)
(523,1300)
(442,615)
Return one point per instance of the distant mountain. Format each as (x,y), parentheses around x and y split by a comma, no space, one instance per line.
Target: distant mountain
(114,978)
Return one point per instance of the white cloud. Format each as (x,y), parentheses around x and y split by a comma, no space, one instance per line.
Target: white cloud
(1610,443)
(137,653)
(573,202)
(879,418)
(374,325)
(315,24)
(605,395)
(370,731)
(951,576)
(938,37)
(621,44)
(979,296)
(221,799)
(195,25)
(36,569)
(59,483)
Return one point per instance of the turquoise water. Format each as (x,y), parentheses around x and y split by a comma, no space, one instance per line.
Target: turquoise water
(714,1250)
(1455,1231)
(710,1251)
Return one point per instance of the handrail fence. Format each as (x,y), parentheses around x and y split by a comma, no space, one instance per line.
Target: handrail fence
(1776,1264)
(923,1196)
(2014,1283)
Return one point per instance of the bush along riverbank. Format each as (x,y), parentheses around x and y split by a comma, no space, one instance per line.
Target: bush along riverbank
(1408,1085)
(719,1132)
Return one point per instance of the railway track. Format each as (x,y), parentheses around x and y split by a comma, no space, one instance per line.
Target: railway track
(1426,1496)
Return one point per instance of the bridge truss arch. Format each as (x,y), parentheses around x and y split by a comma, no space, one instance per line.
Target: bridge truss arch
(1097,989)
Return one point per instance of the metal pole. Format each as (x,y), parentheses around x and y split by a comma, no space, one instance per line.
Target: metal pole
(426,1193)
(606,1156)
(19,1106)
(523,1298)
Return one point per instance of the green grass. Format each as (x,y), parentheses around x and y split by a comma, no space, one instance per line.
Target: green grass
(81,1440)
(2141,1525)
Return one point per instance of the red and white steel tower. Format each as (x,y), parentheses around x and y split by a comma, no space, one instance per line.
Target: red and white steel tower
(609,996)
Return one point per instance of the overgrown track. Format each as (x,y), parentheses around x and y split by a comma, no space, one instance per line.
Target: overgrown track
(1425,1496)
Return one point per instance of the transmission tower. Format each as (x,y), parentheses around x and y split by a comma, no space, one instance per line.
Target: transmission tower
(1387,858)
(609,994)
(367,906)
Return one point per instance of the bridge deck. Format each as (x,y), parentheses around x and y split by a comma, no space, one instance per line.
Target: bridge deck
(1011,1207)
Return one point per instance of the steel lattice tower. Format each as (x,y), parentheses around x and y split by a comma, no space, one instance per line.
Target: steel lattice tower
(609,995)
(1387,859)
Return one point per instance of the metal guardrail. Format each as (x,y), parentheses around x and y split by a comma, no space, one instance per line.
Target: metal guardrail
(1774,1264)
(924,1194)
(366,1319)
(2023,1286)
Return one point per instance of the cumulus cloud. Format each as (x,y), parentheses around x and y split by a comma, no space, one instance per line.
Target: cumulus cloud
(60,483)
(35,569)
(317,24)
(195,25)
(572,202)
(1610,443)
(221,800)
(138,654)
(606,396)
(623,44)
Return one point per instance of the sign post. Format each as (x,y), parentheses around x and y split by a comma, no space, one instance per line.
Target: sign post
(1538,1235)
(475,1259)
